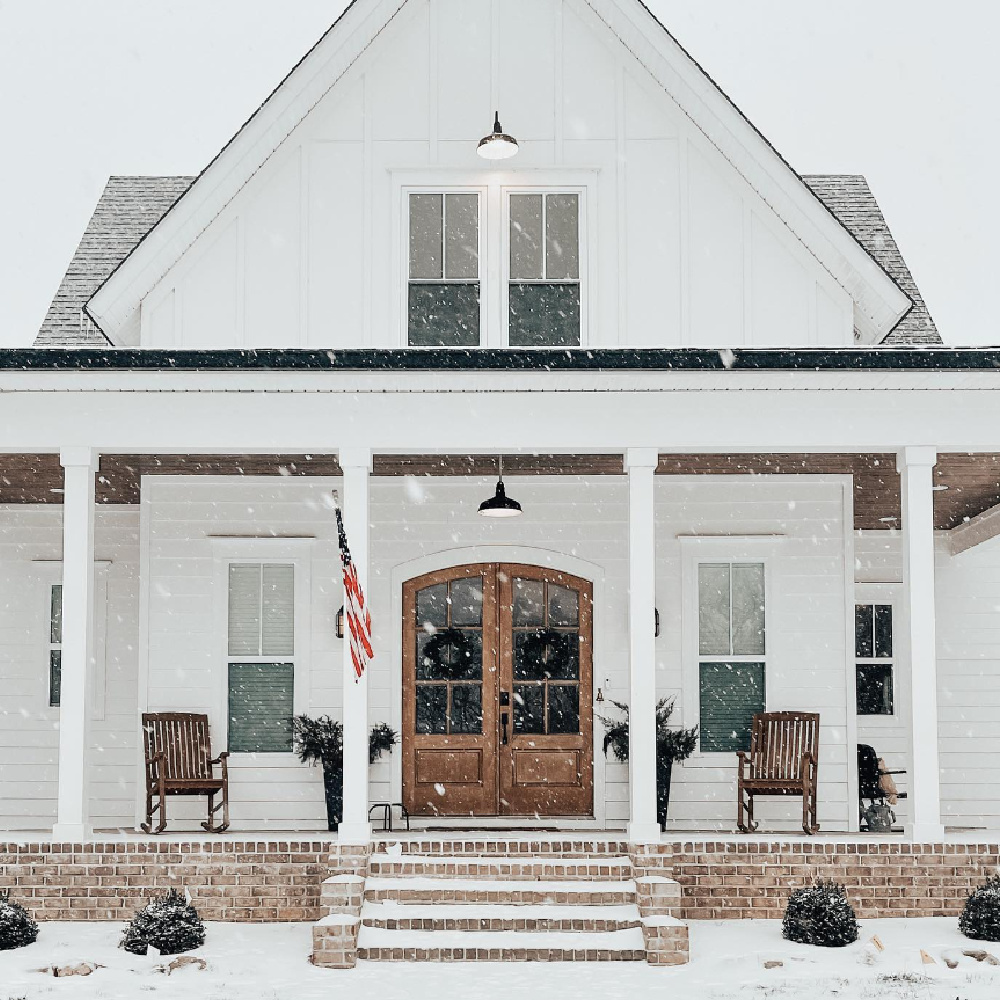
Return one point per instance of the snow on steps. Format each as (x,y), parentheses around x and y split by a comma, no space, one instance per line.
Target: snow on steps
(424,889)
(616,868)
(378,944)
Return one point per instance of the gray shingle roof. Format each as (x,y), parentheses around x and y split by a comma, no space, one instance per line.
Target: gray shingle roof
(851,201)
(130,206)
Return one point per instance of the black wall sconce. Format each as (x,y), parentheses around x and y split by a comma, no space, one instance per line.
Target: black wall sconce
(656,618)
(340,624)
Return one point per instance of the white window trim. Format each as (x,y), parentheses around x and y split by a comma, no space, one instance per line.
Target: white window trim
(48,573)
(494,262)
(702,549)
(298,553)
(886,593)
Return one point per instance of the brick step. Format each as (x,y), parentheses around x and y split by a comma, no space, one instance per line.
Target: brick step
(496,846)
(513,869)
(517,892)
(381,945)
(550,918)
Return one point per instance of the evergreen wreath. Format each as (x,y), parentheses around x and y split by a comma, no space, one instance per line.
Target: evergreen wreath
(449,653)
(550,651)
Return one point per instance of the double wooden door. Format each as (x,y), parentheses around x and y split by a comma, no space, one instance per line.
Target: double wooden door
(497,692)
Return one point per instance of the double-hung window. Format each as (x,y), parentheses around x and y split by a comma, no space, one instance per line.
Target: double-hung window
(873,655)
(443,294)
(731,652)
(544,287)
(261,669)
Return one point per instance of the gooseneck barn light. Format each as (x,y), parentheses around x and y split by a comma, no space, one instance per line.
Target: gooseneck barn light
(500,505)
(497,145)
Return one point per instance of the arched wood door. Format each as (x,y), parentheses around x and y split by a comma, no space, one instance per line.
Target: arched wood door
(498,692)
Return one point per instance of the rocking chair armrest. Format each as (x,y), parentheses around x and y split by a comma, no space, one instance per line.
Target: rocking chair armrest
(743,757)
(152,765)
(222,758)
(810,762)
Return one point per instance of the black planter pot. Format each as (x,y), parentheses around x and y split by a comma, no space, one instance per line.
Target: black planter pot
(663,769)
(333,786)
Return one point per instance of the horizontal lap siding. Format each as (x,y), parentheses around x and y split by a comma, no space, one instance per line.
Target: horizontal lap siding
(29,736)
(805,629)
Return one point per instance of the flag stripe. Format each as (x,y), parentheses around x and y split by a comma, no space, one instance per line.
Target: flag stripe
(359,620)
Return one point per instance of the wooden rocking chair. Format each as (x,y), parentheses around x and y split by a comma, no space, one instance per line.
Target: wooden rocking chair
(783,760)
(179,762)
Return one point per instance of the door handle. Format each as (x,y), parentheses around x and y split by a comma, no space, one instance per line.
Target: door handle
(503,729)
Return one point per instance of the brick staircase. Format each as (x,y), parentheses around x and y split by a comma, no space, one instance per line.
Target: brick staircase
(449,900)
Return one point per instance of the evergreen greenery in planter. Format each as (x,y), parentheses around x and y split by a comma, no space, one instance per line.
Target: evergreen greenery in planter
(169,923)
(16,926)
(321,741)
(672,744)
(820,914)
(980,919)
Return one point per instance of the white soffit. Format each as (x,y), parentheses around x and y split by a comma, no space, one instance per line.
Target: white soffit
(879,302)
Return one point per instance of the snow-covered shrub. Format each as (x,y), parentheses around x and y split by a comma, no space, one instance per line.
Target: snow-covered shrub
(169,923)
(16,926)
(820,914)
(980,918)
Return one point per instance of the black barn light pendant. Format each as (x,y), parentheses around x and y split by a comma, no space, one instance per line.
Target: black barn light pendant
(497,145)
(500,505)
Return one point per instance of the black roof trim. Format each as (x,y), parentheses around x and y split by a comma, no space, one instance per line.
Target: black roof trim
(879,359)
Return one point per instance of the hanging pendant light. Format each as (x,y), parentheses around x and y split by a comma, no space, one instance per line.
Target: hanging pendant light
(500,505)
(497,145)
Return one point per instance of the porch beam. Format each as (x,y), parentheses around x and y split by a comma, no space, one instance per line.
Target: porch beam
(916,469)
(356,465)
(640,464)
(982,528)
(73,816)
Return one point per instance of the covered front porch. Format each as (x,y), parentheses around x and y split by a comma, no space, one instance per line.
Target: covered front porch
(641,543)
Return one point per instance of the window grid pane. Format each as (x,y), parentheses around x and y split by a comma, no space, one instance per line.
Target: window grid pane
(261,699)
(55,615)
(748,609)
(278,610)
(55,678)
(714,609)
(244,609)
(562,237)
(426,236)
(526,253)
(461,237)
(730,695)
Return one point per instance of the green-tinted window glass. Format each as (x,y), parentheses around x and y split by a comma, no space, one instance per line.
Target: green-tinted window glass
(731,695)
(260,707)
(55,678)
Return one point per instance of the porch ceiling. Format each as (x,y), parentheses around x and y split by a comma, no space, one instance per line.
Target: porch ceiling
(968,484)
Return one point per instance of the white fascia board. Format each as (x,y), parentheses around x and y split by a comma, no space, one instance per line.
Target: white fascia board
(116,301)
(879,302)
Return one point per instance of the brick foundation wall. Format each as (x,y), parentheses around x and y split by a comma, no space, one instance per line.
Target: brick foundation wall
(228,880)
(739,879)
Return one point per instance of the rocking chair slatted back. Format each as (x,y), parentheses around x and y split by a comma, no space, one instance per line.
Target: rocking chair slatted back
(183,740)
(780,743)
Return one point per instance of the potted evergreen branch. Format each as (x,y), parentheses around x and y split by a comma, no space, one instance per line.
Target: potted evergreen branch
(321,741)
(672,744)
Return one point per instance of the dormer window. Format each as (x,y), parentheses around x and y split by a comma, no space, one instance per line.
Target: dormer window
(494,266)
(443,300)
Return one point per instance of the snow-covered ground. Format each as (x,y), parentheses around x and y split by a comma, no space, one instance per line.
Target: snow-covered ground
(270,962)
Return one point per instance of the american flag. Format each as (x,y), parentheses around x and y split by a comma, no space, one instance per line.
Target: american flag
(359,619)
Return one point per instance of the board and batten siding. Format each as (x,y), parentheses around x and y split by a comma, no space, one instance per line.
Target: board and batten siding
(679,248)
(30,550)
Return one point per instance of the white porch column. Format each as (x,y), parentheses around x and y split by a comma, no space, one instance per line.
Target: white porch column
(79,465)
(640,463)
(916,470)
(356,464)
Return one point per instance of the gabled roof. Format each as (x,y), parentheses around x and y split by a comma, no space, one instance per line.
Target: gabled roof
(128,208)
(852,202)
(131,206)
(880,303)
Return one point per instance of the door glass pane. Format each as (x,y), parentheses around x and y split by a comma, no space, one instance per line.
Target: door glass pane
(450,655)
(748,609)
(526,237)
(426,232)
(461,245)
(562,236)
(564,708)
(529,603)
(564,606)
(713,609)
(467,708)
(864,637)
(467,601)
(883,631)
(432,606)
(432,709)
(543,315)
(529,708)
(444,315)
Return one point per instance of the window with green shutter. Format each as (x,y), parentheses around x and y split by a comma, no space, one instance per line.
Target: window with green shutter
(731,653)
(261,678)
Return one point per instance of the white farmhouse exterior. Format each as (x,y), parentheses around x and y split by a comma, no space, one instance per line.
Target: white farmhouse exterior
(715,388)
